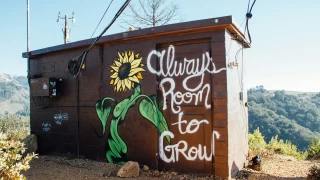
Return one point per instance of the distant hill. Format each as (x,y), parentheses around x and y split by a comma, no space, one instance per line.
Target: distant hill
(293,116)
(14,95)
(295,92)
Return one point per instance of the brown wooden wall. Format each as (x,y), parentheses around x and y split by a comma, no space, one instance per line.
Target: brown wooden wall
(136,121)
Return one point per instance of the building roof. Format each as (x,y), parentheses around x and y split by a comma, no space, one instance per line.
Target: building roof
(226,22)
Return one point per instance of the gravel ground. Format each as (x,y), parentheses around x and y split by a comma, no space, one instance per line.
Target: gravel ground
(279,167)
(56,168)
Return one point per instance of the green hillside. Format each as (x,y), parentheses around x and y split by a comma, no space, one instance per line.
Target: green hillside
(291,116)
(14,95)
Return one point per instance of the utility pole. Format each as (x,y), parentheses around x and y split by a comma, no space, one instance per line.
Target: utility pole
(66,29)
(28,26)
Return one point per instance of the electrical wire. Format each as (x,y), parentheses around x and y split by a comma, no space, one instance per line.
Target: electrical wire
(102,18)
(40,107)
(74,65)
(248,16)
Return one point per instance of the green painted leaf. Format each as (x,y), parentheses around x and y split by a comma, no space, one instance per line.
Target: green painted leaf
(149,109)
(123,106)
(118,147)
(103,108)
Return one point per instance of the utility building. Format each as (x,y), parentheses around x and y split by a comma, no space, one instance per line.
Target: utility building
(170,97)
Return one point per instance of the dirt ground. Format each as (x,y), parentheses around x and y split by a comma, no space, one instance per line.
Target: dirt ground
(56,168)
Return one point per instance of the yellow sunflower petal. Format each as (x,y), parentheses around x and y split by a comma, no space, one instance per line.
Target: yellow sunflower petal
(127,82)
(115,88)
(131,58)
(134,71)
(116,80)
(114,75)
(134,79)
(139,75)
(136,63)
(120,57)
(118,85)
(111,70)
(136,56)
(132,84)
(115,68)
(117,63)
(112,81)
(141,65)
(129,53)
(125,59)
(123,85)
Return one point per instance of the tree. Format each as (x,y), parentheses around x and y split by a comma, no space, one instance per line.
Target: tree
(151,13)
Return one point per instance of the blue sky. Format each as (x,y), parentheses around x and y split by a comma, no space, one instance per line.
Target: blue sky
(285,48)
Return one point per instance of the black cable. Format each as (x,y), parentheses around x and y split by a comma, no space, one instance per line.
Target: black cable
(40,107)
(102,18)
(74,65)
(248,6)
(248,16)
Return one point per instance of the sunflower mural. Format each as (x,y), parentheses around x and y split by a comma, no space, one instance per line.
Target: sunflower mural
(126,73)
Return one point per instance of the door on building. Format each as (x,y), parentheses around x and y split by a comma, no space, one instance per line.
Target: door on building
(185,97)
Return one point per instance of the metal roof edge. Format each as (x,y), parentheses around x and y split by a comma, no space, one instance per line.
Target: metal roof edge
(171,29)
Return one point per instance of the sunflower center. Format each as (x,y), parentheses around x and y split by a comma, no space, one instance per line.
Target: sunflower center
(124,71)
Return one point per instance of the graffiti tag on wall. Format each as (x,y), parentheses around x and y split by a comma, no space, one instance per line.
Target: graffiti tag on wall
(46,126)
(189,70)
(58,118)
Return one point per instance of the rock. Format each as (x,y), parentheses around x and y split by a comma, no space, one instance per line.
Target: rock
(105,174)
(31,143)
(130,169)
(145,168)
(156,173)
(256,167)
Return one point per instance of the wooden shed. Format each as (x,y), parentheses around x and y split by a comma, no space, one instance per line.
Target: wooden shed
(170,97)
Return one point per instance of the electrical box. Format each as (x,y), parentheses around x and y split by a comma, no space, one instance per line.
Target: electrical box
(44,87)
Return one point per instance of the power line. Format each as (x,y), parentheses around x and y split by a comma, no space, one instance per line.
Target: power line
(248,16)
(102,18)
(76,63)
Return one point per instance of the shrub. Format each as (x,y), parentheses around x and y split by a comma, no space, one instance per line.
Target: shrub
(256,141)
(11,160)
(314,172)
(258,146)
(15,127)
(285,148)
(314,149)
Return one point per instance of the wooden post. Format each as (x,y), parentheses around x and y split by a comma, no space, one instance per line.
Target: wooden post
(66,30)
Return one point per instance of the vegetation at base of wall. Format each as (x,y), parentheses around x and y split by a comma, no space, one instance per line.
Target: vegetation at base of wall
(256,142)
(258,145)
(13,128)
(293,116)
(11,160)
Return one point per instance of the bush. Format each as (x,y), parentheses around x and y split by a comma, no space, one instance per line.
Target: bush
(314,150)
(15,127)
(285,148)
(314,172)
(11,160)
(256,141)
(258,146)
